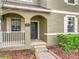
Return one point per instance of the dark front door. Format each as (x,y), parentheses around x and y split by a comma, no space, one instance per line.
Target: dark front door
(34,30)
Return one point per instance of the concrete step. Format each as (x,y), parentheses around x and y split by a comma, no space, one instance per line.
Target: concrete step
(41,49)
(38,44)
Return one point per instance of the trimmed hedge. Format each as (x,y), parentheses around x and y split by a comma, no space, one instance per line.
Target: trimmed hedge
(69,42)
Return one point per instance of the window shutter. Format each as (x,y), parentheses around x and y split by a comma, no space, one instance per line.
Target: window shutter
(66,1)
(76,2)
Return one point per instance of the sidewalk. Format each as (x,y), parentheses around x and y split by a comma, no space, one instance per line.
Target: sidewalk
(44,55)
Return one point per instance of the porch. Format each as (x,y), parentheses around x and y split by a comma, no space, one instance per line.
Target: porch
(17,31)
(12,39)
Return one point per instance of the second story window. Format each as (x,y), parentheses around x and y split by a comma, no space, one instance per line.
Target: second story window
(26,0)
(71,2)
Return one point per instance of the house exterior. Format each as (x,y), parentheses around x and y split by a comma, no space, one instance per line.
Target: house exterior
(24,21)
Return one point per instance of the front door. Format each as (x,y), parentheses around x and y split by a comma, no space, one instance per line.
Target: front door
(34,30)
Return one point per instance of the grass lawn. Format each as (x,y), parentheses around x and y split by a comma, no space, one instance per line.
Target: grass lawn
(5,57)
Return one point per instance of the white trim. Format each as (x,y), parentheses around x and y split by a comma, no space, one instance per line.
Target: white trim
(76,24)
(30,1)
(38,28)
(0,25)
(65,12)
(49,34)
(26,8)
(43,10)
(66,22)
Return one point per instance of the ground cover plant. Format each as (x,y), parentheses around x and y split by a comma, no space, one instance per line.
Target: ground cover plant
(69,42)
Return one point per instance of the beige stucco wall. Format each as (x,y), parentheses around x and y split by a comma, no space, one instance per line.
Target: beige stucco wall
(61,5)
(53,4)
(8,24)
(27,16)
(35,2)
(43,3)
(55,23)
(7,18)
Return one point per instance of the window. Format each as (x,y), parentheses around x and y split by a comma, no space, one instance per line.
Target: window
(16,25)
(70,23)
(26,0)
(71,2)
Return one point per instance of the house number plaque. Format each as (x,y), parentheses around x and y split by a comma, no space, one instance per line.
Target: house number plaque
(27,24)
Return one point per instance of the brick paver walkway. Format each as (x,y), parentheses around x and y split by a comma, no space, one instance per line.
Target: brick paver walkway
(41,51)
(44,55)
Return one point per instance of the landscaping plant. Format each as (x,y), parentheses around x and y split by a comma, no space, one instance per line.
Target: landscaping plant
(5,57)
(69,42)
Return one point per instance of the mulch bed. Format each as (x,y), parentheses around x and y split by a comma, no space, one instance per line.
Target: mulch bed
(65,55)
(18,54)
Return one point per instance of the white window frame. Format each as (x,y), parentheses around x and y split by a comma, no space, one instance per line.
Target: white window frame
(66,23)
(75,2)
(15,18)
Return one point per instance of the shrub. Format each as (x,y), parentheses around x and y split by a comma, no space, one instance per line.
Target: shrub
(68,41)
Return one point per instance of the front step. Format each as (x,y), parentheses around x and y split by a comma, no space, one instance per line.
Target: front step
(41,51)
(39,46)
(42,46)
(38,43)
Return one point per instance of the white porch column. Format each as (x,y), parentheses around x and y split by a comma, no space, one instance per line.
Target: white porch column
(27,33)
(0,24)
(1,37)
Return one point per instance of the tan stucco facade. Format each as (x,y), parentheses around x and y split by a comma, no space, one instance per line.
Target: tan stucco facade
(28,17)
(52,4)
(61,5)
(49,22)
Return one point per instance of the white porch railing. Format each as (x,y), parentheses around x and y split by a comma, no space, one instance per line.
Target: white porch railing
(10,39)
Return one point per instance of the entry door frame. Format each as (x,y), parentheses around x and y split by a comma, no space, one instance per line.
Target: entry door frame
(38,28)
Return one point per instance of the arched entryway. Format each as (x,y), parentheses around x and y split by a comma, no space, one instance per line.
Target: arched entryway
(12,22)
(13,27)
(38,28)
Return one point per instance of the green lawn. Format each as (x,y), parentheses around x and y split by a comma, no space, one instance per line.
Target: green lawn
(5,57)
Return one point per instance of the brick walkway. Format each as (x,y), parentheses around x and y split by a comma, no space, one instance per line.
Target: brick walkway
(44,55)
(42,52)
